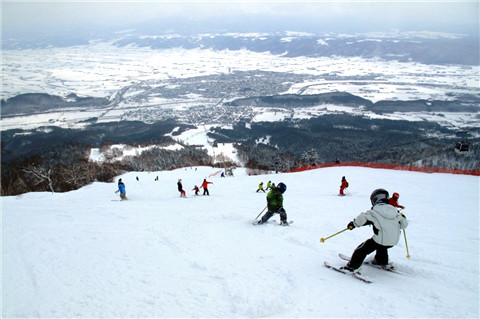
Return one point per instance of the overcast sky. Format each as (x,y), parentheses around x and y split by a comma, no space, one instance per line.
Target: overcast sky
(329,16)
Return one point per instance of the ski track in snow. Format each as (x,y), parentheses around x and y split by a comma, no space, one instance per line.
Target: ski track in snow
(79,254)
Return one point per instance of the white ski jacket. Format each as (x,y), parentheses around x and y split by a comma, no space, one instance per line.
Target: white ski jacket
(386,221)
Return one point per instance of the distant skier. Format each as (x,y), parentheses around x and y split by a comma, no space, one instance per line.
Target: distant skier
(260,187)
(180,188)
(343,186)
(205,187)
(387,223)
(121,189)
(196,189)
(394,201)
(269,185)
(222,175)
(275,205)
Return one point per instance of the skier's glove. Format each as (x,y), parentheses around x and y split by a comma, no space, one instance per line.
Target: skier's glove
(351,225)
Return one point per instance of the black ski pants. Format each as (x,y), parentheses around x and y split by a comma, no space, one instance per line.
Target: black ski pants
(268,214)
(366,248)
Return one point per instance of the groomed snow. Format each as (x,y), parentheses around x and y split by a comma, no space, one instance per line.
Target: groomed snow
(80,254)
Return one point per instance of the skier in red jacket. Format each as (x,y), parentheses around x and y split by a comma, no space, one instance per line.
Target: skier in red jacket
(196,189)
(343,186)
(394,201)
(205,187)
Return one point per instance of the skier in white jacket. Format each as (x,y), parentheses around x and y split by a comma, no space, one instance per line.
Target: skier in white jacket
(387,223)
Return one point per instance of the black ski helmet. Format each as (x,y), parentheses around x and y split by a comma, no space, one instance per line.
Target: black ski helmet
(377,195)
(282,187)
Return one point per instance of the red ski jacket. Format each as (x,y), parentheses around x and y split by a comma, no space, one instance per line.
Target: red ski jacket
(205,184)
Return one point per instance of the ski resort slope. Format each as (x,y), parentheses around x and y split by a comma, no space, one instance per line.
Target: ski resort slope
(80,254)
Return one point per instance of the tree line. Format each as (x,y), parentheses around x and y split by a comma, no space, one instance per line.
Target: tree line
(335,138)
(69,168)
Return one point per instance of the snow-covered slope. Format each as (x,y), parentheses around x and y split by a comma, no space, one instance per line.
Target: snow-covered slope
(80,254)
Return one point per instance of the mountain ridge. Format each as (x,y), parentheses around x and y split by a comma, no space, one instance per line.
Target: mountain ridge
(403,47)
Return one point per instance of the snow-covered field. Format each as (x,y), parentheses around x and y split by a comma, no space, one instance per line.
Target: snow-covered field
(101,69)
(80,254)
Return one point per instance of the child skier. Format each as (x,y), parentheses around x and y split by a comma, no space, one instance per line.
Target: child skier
(387,223)
(275,205)
(394,201)
(196,189)
(343,186)
(260,187)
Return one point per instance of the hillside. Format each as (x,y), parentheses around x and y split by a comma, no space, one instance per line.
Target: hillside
(365,98)
(80,254)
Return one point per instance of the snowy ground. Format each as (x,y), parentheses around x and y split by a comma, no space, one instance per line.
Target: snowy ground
(220,153)
(80,254)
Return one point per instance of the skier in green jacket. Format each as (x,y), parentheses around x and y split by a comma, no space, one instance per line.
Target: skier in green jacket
(260,187)
(275,205)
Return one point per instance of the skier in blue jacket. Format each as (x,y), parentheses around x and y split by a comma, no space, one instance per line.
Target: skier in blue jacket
(121,189)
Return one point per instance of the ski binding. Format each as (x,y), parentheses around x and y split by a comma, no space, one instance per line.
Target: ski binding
(256,222)
(388,268)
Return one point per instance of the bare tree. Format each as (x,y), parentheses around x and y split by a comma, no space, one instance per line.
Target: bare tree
(40,174)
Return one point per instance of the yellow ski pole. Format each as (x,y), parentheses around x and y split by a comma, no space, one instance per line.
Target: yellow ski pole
(322,240)
(405,236)
(406,245)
